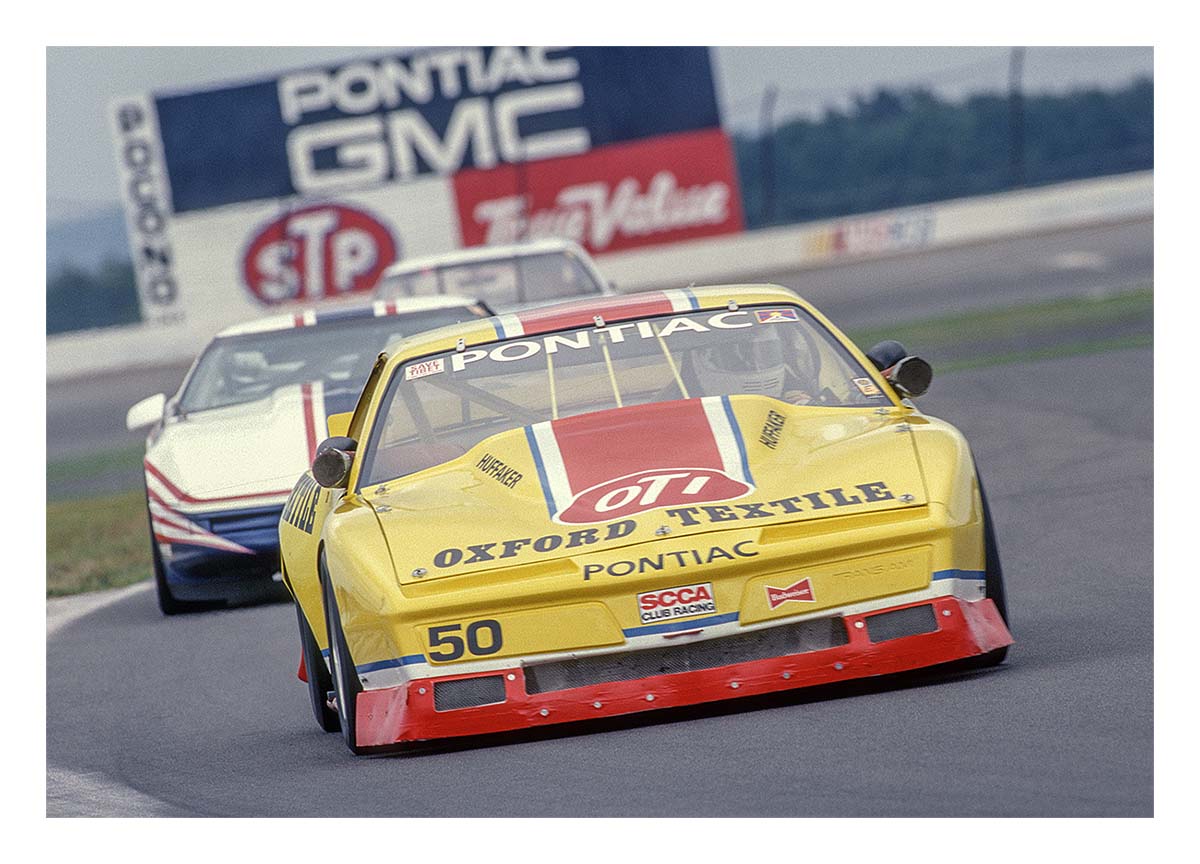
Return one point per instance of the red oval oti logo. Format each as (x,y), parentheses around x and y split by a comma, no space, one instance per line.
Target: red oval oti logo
(648,490)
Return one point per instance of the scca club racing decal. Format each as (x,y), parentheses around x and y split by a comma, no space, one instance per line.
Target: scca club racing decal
(591,472)
(672,603)
(315,253)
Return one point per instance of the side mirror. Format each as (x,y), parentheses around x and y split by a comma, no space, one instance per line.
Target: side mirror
(145,413)
(331,465)
(909,374)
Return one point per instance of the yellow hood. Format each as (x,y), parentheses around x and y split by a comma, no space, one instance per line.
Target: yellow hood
(536,497)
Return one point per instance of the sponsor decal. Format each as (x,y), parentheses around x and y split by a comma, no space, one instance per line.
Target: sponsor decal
(684,516)
(776,316)
(801,592)
(504,474)
(301,507)
(423,368)
(867,387)
(681,558)
(319,252)
(772,429)
(659,191)
(147,208)
(673,603)
(873,235)
(588,474)
(429,112)
(481,552)
(647,490)
(807,501)
(592,339)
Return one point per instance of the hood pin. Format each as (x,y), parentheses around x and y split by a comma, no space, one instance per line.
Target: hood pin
(419,572)
(662,530)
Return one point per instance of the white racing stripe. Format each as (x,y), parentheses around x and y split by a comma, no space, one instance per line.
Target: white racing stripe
(552,464)
(726,437)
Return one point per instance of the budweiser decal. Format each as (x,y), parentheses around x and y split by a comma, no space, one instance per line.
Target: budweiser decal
(659,191)
(798,591)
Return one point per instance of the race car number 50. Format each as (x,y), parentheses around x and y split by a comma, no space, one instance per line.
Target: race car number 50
(482,638)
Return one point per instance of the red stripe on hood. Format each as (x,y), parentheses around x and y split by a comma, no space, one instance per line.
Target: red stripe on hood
(623,462)
(580,314)
(598,447)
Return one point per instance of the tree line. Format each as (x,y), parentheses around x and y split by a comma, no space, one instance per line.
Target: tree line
(895,148)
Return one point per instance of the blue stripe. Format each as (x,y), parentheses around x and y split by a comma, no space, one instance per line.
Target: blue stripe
(406,660)
(737,436)
(541,469)
(959,574)
(500,334)
(693,303)
(681,625)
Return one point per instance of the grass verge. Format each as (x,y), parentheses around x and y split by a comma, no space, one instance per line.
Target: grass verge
(1075,322)
(95,543)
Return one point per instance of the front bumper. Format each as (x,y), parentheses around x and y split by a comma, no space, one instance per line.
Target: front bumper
(962,629)
(198,571)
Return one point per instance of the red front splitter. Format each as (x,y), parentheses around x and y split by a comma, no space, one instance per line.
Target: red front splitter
(405,714)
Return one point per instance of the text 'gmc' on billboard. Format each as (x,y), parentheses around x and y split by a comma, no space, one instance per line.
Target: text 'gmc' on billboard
(361,151)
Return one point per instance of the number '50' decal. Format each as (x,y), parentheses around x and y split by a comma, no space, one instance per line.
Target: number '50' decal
(483,638)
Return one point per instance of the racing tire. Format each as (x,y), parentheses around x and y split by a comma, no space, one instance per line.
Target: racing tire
(345,679)
(993,578)
(320,682)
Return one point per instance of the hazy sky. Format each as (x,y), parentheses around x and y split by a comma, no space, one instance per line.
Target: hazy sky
(80,82)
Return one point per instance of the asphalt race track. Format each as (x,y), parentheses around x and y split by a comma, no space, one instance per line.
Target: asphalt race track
(88,414)
(203,714)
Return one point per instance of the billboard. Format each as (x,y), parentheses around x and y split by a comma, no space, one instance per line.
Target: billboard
(303,187)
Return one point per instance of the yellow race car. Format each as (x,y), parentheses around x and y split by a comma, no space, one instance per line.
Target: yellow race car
(629,503)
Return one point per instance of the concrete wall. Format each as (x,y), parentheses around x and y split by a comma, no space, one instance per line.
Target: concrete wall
(727,259)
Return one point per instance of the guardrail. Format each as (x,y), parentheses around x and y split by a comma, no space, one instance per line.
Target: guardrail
(740,257)
(930,226)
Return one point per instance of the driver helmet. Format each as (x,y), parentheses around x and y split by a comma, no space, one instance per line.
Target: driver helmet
(753,366)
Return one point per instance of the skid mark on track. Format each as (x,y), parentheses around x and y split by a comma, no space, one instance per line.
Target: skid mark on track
(70,793)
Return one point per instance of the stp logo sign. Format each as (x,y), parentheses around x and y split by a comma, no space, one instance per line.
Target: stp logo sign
(647,490)
(316,253)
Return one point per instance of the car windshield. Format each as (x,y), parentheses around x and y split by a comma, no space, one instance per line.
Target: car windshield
(438,407)
(339,353)
(500,282)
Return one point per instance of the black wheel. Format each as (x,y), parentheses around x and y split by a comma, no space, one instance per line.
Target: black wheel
(993,576)
(345,679)
(320,682)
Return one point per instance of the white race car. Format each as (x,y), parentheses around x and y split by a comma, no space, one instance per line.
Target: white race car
(223,453)
(504,277)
